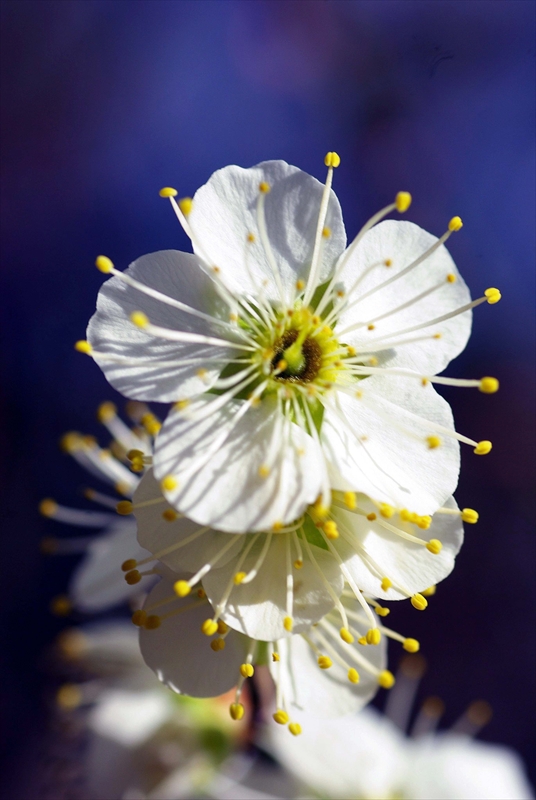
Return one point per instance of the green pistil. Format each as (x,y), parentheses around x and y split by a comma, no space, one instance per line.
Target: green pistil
(293,355)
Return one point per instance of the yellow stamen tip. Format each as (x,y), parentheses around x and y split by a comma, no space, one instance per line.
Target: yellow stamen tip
(382,612)
(61,606)
(483,448)
(139,319)
(185,205)
(298,564)
(403,201)
(152,622)
(69,696)
(295,727)
(423,522)
(275,656)
(104,264)
(489,385)
(139,618)
(239,577)
(264,187)
(222,626)
(48,507)
(169,515)
(287,624)
(133,577)
(124,507)
(300,284)
(106,412)
(168,483)
(373,636)
(419,602)
(324,662)
(353,675)
(129,564)
(372,516)
(332,159)
(280,716)
(330,529)
(182,588)
(209,627)
(434,546)
(451,278)
(470,516)
(350,500)
(326,232)
(82,346)
(433,442)
(493,296)
(455,224)
(247,670)
(386,510)
(346,636)
(167,191)
(411,645)
(236,710)
(386,679)
(217,644)
(386,584)
(430,591)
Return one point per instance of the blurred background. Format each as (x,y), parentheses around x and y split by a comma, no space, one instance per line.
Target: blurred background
(105,101)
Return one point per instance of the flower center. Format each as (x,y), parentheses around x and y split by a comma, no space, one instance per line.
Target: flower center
(302,355)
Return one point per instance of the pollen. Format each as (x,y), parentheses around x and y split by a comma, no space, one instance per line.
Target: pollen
(298,564)
(264,187)
(48,507)
(82,346)
(326,232)
(239,577)
(236,710)
(209,627)
(168,483)
(386,584)
(139,618)
(386,510)
(169,515)
(280,716)
(423,522)
(386,679)
(373,636)
(124,507)
(250,238)
(388,262)
(185,205)
(489,385)
(182,588)
(455,224)
(371,327)
(104,264)
(167,191)
(133,577)
(350,500)
(60,605)
(451,278)
(353,675)
(403,201)
(300,284)
(247,670)
(346,636)
(152,622)
(382,612)
(372,516)
(275,657)
(332,159)
(330,529)
(287,624)
(129,564)
(295,727)
(324,662)
(483,448)
(411,645)
(419,602)
(139,319)
(433,442)
(493,296)
(430,591)
(217,644)
(69,696)
(470,516)
(434,546)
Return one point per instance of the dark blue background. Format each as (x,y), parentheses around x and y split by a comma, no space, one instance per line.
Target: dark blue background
(106,101)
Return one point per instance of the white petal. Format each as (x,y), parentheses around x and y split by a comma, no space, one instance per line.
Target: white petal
(405,563)
(106,646)
(258,608)
(458,768)
(155,533)
(227,491)
(180,653)
(130,717)
(111,331)
(224,213)
(98,582)
(377,446)
(403,242)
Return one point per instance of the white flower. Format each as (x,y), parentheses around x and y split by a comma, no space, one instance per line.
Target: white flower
(294,364)
(315,670)
(268,584)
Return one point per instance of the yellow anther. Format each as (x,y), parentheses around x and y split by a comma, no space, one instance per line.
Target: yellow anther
(201,593)
(382,612)
(48,507)
(373,636)
(419,602)
(330,529)
(353,675)
(139,319)
(326,232)
(124,507)
(236,710)
(455,224)
(371,327)
(129,564)
(386,510)
(239,577)
(300,284)
(469,515)
(182,588)
(180,405)
(264,187)
(346,636)
(209,627)
(489,385)
(281,365)
(247,670)
(60,605)
(403,201)
(133,454)
(133,577)
(217,644)
(451,278)
(69,696)
(429,592)
(122,488)
(424,381)
(298,564)
(386,584)
(434,546)
(222,626)
(332,159)
(350,500)
(169,515)
(83,346)
(351,351)
(411,645)
(104,264)
(433,442)
(493,296)
(372,516)
(437,336)
(152,622)
(287,624)
(168,483)
(185,205)
(386,679)
(483,448)
(295,727)
(281,717)
(423,522)
(324,662)
(388,262)
(201,373)
(167,191)
(139,618)
(250,238)
(362,641)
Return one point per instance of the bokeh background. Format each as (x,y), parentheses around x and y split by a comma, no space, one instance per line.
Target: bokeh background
(105,101)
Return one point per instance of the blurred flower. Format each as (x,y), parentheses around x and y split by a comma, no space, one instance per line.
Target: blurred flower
(294,365)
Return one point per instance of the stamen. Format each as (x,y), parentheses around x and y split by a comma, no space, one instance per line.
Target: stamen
(258,564)
(261,222)
(332,161)
(74,516)
(142,321)
(340,608)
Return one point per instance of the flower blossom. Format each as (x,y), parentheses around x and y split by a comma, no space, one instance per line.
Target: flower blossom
(295,364)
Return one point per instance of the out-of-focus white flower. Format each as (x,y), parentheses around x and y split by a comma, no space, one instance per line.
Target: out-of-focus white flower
(294,365)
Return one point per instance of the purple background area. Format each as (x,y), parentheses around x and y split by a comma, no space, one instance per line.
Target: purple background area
(107,101)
